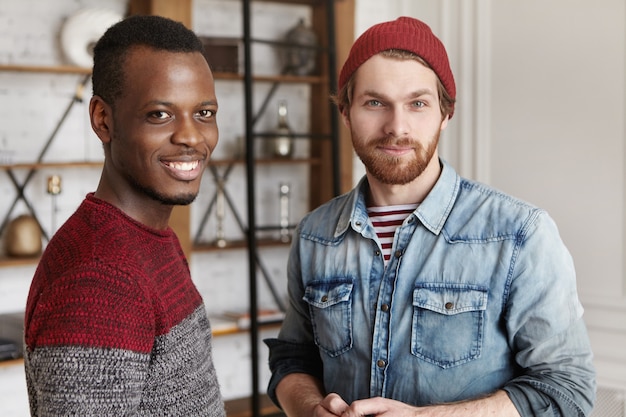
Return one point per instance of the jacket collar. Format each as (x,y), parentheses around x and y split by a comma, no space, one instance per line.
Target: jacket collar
(432,212)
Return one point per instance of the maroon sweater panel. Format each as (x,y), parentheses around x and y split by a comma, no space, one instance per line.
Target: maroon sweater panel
(108,281)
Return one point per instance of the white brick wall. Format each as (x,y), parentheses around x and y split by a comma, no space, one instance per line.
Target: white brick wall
(31,105)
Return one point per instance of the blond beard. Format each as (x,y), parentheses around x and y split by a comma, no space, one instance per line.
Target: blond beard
(390,169)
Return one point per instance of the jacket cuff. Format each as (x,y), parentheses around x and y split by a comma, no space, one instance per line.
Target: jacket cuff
(287,358)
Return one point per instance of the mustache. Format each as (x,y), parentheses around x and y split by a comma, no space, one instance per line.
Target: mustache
(394,141)
(191,153)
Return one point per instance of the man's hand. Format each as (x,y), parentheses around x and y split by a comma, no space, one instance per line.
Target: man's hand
(497,404)
(331,405)
(380,407)
(301,395)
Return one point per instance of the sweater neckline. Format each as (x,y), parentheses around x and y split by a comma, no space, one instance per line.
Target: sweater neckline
(112,209)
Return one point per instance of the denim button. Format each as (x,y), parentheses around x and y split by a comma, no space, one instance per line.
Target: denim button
(385,307)
(324,298)
(449,305)
(398,254)
(380,363)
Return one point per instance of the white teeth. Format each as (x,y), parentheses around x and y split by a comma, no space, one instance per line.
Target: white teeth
(184,166)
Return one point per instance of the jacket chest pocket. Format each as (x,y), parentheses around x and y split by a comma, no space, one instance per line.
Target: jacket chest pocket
(448,323)
(331,314)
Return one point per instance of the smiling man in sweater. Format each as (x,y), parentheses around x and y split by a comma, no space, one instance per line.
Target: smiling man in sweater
(114,325)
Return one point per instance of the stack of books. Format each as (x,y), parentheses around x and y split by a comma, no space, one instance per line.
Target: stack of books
(264,316)
(9,349)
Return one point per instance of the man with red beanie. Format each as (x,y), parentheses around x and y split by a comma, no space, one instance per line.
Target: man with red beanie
(419,292)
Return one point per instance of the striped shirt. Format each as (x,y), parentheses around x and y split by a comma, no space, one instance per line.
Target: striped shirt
(386,220)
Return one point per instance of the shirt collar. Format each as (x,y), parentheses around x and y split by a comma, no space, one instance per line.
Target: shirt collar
(432,212)
(436,207)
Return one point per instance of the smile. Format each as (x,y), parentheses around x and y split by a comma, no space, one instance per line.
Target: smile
(185,170)
(184,166)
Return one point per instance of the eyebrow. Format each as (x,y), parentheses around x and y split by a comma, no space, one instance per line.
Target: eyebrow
(171,104)
(413,94)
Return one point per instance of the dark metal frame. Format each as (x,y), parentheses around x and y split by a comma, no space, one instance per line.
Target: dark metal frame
(250,119)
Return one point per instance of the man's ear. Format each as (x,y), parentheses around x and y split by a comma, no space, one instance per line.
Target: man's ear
(345,117)
(444,123)
(101,116)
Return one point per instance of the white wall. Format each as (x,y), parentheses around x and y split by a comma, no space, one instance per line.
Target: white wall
(541,116)
(557,125)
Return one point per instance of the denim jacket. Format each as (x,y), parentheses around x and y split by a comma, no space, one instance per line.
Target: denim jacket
(479,295)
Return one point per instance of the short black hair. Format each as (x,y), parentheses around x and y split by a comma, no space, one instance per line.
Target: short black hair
(112,48)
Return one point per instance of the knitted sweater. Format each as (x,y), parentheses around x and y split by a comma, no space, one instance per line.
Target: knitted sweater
(114,325)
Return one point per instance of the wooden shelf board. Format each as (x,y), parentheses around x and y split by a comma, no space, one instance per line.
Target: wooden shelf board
(309,2)
(267,161)
(12,362)
(294,79)
(309,79)
(10,261)
(43,165)
(212,246)
(98,164)
(240,407)
(50,69)
(237,244)
(219,328)
(68,69)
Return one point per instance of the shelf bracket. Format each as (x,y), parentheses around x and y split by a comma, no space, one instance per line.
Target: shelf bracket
(220,181)
(20,187)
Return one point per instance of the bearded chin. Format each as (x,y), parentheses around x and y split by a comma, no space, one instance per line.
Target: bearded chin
(180,200)
(176,200)
(394,170)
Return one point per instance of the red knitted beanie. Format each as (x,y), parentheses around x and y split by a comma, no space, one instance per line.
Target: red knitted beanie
(404,33)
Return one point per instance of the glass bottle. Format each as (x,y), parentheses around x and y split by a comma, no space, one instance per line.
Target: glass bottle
(281,145)
(220,211)
(284,193)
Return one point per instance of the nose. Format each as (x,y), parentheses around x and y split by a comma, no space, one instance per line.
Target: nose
(397,123)
(186,133)
(190,132)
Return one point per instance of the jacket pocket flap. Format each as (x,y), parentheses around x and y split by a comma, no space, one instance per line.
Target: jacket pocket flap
(450,299)
(326,294)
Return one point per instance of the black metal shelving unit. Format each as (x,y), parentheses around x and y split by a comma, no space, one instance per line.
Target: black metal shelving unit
(251,136)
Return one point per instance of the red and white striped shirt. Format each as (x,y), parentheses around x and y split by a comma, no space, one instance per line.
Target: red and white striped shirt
(386,220)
